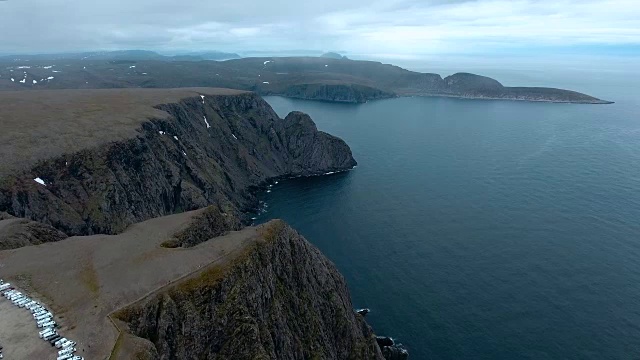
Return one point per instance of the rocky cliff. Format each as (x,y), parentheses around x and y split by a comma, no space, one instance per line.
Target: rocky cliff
(280,299)
(207,150)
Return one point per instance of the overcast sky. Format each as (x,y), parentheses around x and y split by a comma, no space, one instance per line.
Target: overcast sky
(385,28)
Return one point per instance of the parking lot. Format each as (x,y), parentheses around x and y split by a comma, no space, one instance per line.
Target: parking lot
(19,334)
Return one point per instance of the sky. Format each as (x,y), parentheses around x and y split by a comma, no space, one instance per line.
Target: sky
(397,29)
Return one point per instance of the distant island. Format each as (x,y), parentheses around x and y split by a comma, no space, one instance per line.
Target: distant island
(330,77)
(333,55)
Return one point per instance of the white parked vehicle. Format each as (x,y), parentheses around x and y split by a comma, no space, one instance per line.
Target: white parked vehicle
(65,357)
(77,358)
(21,302)
(68,350)
(42,332)
(43,316)
(50,336)
(43,320)
(68,343)
(47,324)
(46,332)
(59,343)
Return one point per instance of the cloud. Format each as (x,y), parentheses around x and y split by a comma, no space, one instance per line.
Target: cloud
(401,27)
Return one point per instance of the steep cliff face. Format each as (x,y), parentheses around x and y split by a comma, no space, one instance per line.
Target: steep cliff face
(209,150)
(280,299)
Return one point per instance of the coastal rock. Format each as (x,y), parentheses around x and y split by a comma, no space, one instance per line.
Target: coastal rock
(391,350)
(280,299)
(174,164)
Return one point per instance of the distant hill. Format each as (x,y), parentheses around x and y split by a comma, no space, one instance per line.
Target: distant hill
(205,55)
(333,55)
(125,55)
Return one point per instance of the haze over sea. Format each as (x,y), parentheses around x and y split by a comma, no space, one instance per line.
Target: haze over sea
(485,229)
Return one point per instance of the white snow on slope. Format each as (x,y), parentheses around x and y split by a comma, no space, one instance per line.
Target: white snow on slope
(234,136)
(206,122)
(175,137)
(39,181)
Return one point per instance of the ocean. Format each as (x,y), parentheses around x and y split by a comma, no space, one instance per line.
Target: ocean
(485,229)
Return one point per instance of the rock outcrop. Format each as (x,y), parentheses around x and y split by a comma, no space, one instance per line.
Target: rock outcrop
(17,232)
(212,222)
(206,151)
(281,299)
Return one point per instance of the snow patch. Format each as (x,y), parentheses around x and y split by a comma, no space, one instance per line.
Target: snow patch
(13,80)
(144,73)
(206,122)
(24,81)
(184,153)
(132,67)
(175,137)
(47,67)
(50,78)
(265,82)
(23,67)
(326,65)
(234,136)
(202,96)
(55,71)
(266,62)
(161,132)
(35,82)
(39,181)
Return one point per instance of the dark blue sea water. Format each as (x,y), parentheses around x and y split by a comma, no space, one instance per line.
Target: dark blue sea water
(484,229)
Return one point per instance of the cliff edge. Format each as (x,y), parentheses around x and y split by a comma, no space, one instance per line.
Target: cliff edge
(280,299)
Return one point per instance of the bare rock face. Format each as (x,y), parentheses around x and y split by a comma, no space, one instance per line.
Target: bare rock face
(281,299)
(205,152)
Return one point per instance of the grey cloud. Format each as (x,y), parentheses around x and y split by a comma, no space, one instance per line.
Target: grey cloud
(389,26)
